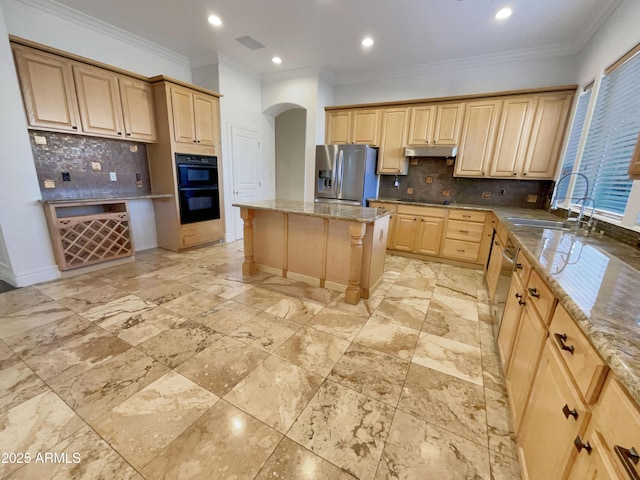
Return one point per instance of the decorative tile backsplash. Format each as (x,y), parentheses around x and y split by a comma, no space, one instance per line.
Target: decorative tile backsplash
(80,157)
(432,181)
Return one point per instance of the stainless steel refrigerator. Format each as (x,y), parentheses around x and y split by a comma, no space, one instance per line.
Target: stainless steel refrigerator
(346,174)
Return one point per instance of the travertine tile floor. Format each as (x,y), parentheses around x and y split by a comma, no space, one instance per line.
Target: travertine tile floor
(177,367)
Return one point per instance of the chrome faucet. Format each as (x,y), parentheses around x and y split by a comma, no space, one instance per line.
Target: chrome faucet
(582,200)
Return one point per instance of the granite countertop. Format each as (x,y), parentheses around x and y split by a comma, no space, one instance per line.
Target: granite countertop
(595,278)
(334,211)
(58,201)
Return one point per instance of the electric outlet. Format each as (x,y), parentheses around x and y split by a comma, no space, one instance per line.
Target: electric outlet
(96,166)
(138,177)
(66,177)
(113,177)
(40,140)
(502,192)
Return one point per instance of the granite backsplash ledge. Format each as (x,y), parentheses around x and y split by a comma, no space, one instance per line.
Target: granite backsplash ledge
(432,181)
(76,153)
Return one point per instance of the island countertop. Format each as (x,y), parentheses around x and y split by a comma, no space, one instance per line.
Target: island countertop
(335,211)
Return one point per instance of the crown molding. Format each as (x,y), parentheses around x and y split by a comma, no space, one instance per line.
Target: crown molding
(66,13)
(602,16)
(238,67)
(460,63)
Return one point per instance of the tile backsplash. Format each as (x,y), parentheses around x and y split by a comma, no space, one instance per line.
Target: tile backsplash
(75,154)
(432,181)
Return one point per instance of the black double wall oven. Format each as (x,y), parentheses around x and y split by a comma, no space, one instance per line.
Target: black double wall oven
(198,188)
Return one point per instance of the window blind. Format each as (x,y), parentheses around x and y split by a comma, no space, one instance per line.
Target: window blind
(611,138)
(572,147)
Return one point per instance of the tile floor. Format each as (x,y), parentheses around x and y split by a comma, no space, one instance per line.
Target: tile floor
(176,367)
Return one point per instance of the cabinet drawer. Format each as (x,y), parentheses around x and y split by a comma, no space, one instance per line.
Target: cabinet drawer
(386,206)
(459,230)
(467,215)
(617,418)
(422,211)
(461,250)
(522,268)
(584,363)
(540,296)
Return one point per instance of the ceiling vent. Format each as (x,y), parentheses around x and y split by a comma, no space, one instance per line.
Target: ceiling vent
(249,42)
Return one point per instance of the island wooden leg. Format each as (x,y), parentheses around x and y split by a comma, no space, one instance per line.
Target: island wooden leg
(249,265)
(356,232)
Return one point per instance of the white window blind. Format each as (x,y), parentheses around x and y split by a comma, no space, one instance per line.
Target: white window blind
(612,136)
(572,147)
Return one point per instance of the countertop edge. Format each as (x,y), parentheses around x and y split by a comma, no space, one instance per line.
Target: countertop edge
(106,199)
(346,218)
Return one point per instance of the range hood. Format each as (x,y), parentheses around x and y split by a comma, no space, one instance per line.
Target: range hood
(447,151)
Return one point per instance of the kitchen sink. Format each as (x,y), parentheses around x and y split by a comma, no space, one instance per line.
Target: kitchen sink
(532,222)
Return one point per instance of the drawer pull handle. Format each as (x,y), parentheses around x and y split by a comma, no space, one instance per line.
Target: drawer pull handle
(533,292)
(518,266)
(580,445)
(461,250)
(568,412)
(464,231)
(628,457)
(560,339)
(519,297)
(466,216)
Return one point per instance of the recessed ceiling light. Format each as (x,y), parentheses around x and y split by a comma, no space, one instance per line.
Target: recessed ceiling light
(215,20)
(367,41)
(504,13)
(276,60)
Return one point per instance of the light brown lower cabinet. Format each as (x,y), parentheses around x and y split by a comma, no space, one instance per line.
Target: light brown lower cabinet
(594,461)
(555,415)
(510,321)
(524,362)
(418,234)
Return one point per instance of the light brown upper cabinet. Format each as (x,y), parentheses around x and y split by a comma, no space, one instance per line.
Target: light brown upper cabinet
(447,123)
(47,89)
(478,138)
(99,101)
(353,126)
(513,135)
(634,165)
(547,134)
(194,117)
(391,159)
(421,121)
(64,95)
(138,109)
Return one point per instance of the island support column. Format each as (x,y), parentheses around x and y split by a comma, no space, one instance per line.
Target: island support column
(356,233)
(249,265)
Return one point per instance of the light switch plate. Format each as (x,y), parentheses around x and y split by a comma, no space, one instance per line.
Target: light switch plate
(113,177)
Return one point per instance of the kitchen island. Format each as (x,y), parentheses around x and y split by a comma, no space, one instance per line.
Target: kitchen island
(341,247)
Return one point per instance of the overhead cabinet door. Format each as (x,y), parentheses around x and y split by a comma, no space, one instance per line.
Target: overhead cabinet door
(448,121)
(421,125)
(391,159)
(138,110)
(99,101)
(513,135)
(338,127)
(47,88)
(184,128)
(205,114)
(546,136)
(478,137)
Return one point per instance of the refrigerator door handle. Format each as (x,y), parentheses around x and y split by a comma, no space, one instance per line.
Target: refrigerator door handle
(340,172)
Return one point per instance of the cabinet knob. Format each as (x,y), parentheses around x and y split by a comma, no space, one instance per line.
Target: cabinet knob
(194,141)
(128,134)
(75,127)
(524,174)
(119,133)
(580,445)
(561,338)
(514,173)
(628,458)
(533,292)
(518,266)
(569,413)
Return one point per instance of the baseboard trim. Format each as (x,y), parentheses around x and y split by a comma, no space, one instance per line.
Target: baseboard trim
(29,278)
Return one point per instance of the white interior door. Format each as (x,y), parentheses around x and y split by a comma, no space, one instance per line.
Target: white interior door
(245,153)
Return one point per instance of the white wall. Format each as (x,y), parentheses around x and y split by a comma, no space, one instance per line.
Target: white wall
(614,38)
(290,90)
(240,106)
(63,28)
(30,258)
(325,99)
(206,76)
(26,241)
(290,134)
(460,78)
